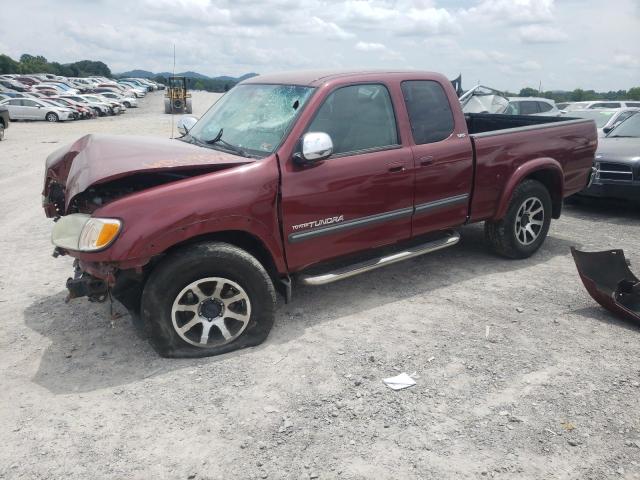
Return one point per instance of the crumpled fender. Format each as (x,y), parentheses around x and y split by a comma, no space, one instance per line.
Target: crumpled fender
(607,278)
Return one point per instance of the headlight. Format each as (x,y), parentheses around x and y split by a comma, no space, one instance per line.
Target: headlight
(85,233)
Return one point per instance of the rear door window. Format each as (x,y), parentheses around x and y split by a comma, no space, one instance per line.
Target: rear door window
(429,111)
(528,108)
(357,117)
(633,104)
(544,107)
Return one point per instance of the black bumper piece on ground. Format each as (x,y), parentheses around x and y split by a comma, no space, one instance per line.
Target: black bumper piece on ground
(607,278)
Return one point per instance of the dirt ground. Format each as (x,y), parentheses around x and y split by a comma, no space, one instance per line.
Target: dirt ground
(520,374)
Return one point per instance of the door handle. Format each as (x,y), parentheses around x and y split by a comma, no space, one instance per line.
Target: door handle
(427,160)
(396,169)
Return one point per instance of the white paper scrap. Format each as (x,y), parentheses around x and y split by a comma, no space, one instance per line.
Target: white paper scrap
(399,381)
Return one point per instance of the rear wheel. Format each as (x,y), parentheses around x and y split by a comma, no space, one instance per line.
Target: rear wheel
(51,117)
(526,224)
(206,300)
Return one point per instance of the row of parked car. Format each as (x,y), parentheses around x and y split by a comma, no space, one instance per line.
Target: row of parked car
(53,98)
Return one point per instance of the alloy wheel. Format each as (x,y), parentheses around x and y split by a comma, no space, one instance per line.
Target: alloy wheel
(529,220)
(212,311)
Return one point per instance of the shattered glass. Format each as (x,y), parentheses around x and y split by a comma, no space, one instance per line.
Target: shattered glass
(254,117)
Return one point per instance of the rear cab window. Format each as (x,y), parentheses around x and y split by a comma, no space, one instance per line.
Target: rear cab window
(358,118)
(429,111)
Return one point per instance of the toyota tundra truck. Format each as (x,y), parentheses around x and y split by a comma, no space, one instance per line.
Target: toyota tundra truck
(307,177)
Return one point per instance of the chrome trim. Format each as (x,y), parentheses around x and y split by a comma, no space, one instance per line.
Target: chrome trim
(443,202)
(349,224)
(526,128)
(450,239)
(381,217)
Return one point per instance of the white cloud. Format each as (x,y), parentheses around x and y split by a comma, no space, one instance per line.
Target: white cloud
(513,12)
(542,34)
(625,60)
(370,47)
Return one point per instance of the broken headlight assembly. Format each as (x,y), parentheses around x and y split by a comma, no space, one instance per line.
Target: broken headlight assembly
(84,233)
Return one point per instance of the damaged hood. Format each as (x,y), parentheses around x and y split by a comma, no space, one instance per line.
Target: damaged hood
(96,159)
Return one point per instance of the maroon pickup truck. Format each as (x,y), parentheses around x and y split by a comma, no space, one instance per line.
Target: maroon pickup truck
(307,176)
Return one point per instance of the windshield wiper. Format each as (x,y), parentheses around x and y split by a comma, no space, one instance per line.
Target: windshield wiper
(622,136)
(230,146)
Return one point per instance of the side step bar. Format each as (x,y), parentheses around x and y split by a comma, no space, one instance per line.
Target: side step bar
(450,239)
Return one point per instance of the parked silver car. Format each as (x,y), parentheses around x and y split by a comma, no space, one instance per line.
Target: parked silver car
(33,109)
(606,119)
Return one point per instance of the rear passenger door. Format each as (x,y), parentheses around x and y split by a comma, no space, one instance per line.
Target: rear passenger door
(32,110)
(443,158)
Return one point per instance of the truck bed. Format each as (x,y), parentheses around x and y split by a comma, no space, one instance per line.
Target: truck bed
(490,122)
(504,143)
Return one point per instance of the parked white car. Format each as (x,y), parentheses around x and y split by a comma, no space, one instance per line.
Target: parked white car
(139,91)
(33,109)
(532,106)
(606,119)
(601,104)
(129,102)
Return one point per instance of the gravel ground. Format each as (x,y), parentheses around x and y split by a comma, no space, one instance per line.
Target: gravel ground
(519,373)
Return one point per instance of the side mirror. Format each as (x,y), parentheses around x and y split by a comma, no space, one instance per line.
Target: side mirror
(316,146)
(186,123)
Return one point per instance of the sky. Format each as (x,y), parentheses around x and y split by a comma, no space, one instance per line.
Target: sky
(505,44)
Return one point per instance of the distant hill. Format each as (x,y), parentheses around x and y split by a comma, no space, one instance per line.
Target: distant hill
(138,74)
(190,74)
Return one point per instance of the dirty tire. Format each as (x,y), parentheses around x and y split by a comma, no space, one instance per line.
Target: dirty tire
(51,117)
(501,235)
(1,131)
(191,264)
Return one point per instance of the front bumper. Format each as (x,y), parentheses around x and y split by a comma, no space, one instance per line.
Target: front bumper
(626,191)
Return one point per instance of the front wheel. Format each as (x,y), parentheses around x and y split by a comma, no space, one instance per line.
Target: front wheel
(1,131)
(526,224)
(208,299)
(51,117)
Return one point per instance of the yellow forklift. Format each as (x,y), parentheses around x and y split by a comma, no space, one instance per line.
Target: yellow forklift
(176,98)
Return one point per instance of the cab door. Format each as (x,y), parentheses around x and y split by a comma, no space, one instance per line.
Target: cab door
(361,197)
(442,154)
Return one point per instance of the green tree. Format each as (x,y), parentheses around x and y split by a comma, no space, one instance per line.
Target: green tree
(633,93)
(8,65)
(528,92)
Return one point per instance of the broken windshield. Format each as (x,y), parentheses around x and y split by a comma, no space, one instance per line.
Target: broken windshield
(252,117)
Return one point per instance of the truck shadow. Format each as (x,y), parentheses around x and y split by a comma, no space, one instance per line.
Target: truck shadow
(89,351)
(617,212)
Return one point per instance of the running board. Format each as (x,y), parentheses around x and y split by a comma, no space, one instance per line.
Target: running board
(449,239)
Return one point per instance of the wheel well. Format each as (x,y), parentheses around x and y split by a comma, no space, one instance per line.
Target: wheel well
(240,239)
(552,181)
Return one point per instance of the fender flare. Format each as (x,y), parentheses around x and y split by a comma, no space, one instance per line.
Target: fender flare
(525,170)
(184,233)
